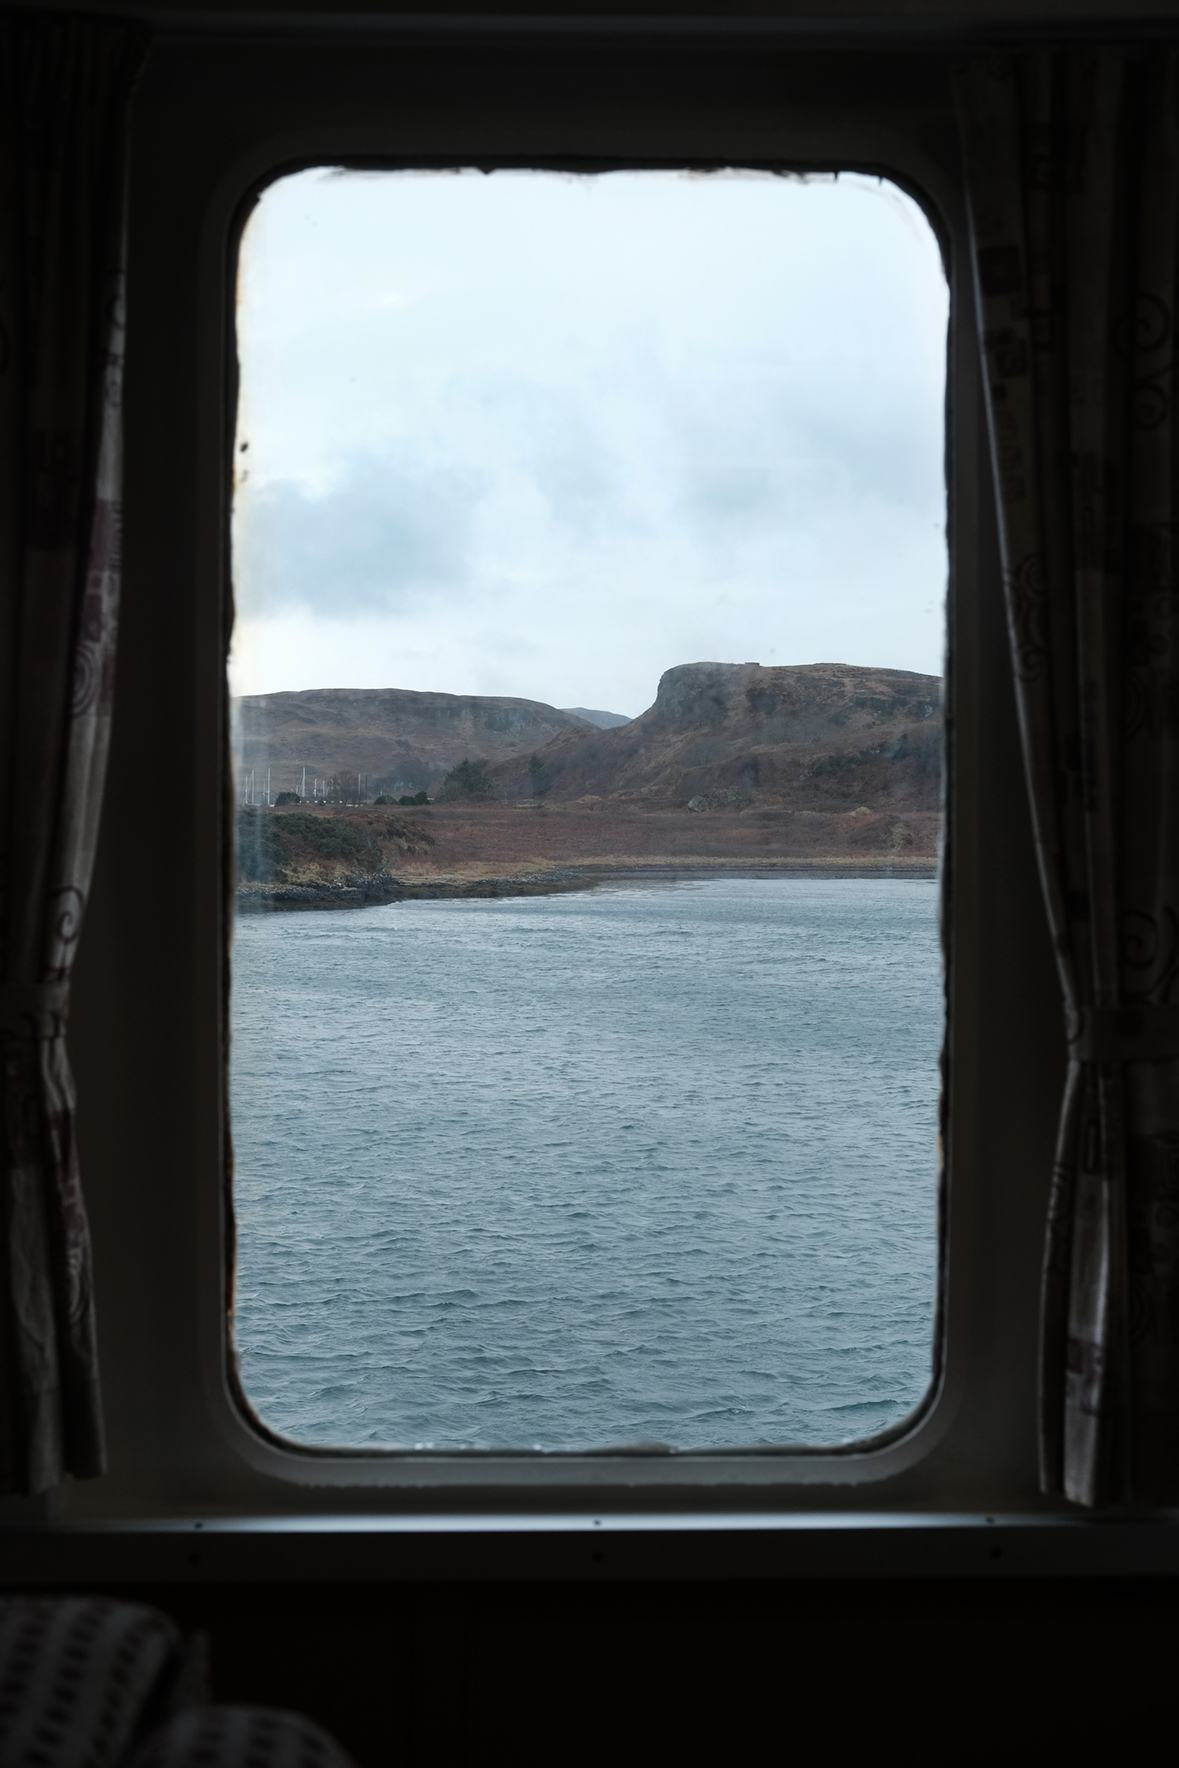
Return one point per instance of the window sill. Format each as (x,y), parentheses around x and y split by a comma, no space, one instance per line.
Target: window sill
(447,1548)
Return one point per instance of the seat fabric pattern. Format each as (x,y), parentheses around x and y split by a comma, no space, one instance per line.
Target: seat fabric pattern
(240,1737)
(78,1677)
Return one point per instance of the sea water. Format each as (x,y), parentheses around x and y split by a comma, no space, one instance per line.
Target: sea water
(648,1162)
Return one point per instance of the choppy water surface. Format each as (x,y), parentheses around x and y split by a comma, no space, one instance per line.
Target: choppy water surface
(653,1161)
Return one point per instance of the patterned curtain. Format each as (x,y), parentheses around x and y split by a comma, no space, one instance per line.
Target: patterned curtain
(1072,172)
(64,92)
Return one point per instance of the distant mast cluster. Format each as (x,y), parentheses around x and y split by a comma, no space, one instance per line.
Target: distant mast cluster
(342,789)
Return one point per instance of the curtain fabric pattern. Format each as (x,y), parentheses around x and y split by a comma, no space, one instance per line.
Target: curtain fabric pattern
(65,87)
(1072,173)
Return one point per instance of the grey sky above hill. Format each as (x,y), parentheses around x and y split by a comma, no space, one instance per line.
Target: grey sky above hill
(604,720)
(547,436)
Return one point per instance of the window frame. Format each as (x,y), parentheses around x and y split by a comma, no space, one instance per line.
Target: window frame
(263,104)
(871,1443)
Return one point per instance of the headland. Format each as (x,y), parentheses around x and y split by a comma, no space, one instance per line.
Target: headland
(816,770)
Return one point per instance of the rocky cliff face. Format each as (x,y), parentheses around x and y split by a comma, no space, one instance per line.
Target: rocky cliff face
(403,740)
(819,736)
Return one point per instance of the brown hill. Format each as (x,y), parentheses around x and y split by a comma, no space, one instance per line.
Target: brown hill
(403,740)
(826,737)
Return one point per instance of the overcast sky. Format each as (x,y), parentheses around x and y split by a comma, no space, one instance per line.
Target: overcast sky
(547,436)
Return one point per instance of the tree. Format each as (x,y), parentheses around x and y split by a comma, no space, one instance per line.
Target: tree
(470,779)
(343,788)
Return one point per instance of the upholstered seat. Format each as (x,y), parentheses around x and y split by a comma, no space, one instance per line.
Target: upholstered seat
(86,1682)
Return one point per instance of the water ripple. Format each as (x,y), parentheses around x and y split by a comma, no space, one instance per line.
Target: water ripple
(645,1162)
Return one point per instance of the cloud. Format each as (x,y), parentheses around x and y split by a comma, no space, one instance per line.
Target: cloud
(543,435)
(387,534)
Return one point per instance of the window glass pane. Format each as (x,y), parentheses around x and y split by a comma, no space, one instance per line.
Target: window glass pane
(587,994)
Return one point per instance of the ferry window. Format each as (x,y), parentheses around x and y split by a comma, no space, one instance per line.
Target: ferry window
(587,996)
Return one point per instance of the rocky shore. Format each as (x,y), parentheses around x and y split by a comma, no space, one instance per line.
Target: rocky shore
(362,890)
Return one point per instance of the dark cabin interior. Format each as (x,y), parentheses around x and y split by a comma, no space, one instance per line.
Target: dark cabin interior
(921,1602)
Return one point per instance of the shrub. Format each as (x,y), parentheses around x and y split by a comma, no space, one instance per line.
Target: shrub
(262,846)
(287,798)
(335,838)
(470,779)
(268,845)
